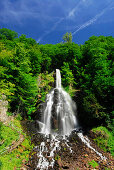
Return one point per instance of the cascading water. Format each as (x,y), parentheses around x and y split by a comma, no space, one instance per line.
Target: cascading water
(57,122)
(60,112)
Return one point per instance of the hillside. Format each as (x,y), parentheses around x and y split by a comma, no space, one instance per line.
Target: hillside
(27,75)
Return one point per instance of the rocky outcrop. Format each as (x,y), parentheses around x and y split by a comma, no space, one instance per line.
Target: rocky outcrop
(3,109)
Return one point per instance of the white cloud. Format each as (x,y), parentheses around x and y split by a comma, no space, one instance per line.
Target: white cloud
(49,31)
(22,9)
(91,21)
(43,13)
(72,12)
(75,9)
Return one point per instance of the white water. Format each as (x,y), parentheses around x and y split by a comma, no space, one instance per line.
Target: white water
(87,142)
(58,79)
(46,153)
(59,118)
(60,112)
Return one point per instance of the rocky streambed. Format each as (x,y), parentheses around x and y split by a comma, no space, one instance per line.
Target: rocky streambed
(70,153)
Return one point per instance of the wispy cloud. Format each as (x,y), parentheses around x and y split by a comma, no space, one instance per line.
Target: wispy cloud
(19,10)
(24,9)
(91,21)
(75,9)
(49,31)
(48,16)
(70,14)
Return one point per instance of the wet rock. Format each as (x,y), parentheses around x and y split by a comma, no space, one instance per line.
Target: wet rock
(65,166)
(79,158)
(59,162)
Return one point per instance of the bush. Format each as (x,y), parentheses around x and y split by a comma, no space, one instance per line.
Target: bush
(104,139)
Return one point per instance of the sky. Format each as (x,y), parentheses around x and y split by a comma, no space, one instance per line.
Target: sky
(47,21)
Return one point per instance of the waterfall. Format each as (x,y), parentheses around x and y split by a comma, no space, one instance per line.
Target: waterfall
(60,113)
(57,123)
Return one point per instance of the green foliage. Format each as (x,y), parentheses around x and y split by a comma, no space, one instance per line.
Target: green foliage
(45,84)
(86,69)
(57,157)
(104,139)
(93,164)
(17,83)
(27,41)
(19,117)
(67,37)
(9,113)
(19,155)
(8,34)
(7,88)
(96,77)
(93,107)
(7,136)
(35,57)
(67,78)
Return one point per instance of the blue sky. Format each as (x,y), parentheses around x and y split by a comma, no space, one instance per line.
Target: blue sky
(48,20)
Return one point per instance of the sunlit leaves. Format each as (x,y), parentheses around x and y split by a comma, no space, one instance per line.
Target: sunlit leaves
(8,34)
(67,38)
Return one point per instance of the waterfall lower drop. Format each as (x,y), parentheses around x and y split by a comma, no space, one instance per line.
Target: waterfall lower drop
(58,121)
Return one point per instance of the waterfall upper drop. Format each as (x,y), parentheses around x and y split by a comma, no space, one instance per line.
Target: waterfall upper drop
(58,78)
(59,116)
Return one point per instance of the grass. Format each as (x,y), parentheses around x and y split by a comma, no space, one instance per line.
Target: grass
(93,164)
(104,139)
(20,155)
(8,135)
(15,158)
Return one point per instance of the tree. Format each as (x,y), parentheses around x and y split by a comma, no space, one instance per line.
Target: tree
(67,38)
(25,40)
(7,34)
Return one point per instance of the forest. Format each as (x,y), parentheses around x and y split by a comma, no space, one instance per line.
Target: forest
(26,69)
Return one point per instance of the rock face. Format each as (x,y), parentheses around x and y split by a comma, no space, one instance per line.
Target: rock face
(3,109)
(54,118)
